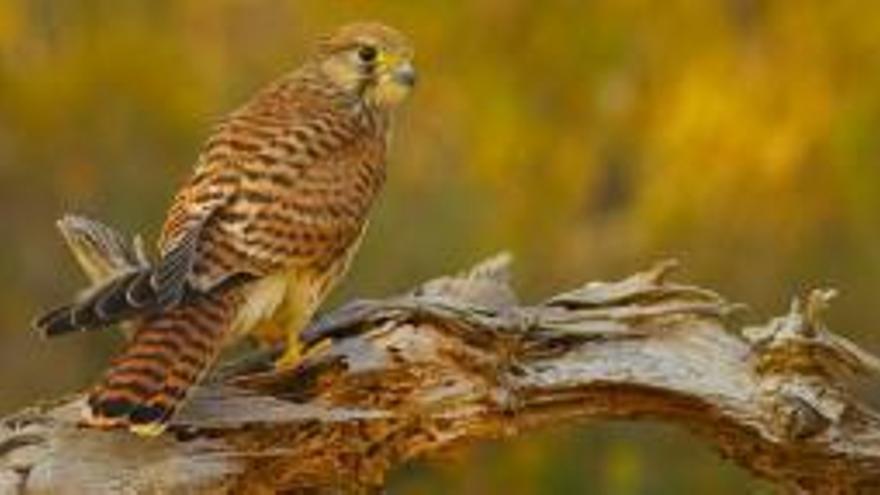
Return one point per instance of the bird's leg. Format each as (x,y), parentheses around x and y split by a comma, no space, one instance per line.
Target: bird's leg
(292,353)
(271,336)
(292,322)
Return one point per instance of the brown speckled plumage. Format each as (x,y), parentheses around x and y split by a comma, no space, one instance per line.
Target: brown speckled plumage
(285,181)
(262,230)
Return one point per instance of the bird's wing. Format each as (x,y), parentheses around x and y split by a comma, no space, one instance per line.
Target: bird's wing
(262,199)
(198,207)
(269,197)
(129,286)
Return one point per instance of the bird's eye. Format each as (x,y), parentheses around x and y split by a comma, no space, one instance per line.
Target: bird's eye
(367,54)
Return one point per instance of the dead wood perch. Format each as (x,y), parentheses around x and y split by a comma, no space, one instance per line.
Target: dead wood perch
(458,361)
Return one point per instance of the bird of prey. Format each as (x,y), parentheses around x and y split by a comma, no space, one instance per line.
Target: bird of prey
(265,226)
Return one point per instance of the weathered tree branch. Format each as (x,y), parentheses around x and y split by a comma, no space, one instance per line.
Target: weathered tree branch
(458,361)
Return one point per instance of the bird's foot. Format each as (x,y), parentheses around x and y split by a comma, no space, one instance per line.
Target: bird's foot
(291,357)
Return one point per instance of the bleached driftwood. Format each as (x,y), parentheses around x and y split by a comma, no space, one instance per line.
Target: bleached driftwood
(459,360)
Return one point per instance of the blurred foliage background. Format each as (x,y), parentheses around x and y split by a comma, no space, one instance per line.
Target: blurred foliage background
(589,137)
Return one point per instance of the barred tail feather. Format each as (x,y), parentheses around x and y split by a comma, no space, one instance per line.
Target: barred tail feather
(169,353)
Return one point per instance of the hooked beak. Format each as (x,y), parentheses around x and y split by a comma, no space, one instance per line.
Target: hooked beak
(405,74)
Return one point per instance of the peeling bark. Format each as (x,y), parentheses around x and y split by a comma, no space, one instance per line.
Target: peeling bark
(458,360)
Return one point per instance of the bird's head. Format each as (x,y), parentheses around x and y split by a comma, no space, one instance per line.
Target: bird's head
(369,60)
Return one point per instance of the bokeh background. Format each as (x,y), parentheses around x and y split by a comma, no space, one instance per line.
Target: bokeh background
(590,138)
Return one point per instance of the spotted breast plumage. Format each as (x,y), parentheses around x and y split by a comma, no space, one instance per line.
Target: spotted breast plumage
(266,225)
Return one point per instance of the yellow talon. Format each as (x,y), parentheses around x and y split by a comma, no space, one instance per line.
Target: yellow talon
(291,356)
(147,430)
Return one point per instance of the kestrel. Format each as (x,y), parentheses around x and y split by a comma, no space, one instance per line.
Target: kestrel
(266,225)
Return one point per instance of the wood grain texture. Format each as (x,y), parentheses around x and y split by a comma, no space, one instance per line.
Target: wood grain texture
(457,361)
